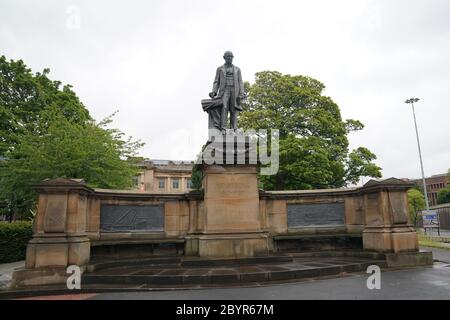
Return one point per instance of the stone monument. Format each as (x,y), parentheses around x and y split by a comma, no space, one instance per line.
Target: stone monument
(232,224)
(231,217)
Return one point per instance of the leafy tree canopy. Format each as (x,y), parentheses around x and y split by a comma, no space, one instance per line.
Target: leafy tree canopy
(313,137)
(444,196)
(416,203)
(46,132)
(24,94)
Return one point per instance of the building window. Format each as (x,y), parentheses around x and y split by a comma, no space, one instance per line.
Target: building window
(161,184)
(135,181)
(189,183)
(176,183)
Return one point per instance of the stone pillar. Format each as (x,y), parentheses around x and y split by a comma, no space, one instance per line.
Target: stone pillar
(149,180)
(59,233)
(387,227)
(230,223)
(183,184)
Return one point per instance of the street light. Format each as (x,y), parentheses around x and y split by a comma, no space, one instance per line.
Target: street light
(411,101)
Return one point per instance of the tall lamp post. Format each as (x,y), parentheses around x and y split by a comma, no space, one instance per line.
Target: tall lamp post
(412,101)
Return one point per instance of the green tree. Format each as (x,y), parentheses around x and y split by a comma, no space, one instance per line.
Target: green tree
(313,137)
(197,177)
(444,196)
(416,203)
(46,132)
(24,95)
(68,149)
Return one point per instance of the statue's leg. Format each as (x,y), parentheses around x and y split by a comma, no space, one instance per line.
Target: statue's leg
(233,118)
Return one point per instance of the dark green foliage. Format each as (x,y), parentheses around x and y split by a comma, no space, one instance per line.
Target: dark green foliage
(24,95)
(444,196)
(14,237)
(416,203)
(69,150)
(313,137)
(46,132)
(197,177)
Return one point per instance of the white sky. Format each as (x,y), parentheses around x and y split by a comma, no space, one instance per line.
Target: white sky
(155,60)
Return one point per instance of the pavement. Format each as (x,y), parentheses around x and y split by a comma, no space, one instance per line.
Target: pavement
(441,255)
(6,271)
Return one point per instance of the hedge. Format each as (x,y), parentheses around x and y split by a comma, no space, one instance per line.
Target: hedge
(14,237)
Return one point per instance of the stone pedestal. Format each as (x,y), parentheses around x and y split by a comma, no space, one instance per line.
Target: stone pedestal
(387,228)
(59,233)
(231,223)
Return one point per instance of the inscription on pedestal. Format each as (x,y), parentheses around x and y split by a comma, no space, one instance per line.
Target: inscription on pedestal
(232,200)
(304,215)
(398,204)
(56,213)
(233,187)
(122,218)
(372,207)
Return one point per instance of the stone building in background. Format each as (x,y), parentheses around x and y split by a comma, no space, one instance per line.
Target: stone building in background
(164,176)
(434,184)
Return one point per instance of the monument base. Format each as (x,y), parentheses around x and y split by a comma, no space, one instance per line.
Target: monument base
(49,275)
(230,223)
(388,239)
(409,259)
(229,245)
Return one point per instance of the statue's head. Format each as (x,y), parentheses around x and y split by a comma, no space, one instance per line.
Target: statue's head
(228,56)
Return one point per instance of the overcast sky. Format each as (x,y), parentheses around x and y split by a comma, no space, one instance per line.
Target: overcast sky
(155,60)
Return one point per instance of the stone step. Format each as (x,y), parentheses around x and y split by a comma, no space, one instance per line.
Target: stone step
(211,262)
(171,261)
(153,261)
(244,274)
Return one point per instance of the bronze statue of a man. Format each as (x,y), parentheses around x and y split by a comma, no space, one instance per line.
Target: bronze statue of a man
(228,85)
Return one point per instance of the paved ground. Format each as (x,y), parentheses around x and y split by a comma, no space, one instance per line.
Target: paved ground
(6,270)
(439,254)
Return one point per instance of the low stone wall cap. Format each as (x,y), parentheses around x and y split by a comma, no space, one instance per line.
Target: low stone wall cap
(64,181)
(389,181)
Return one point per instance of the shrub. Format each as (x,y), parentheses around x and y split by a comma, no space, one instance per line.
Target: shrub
(197,177)
(14,237)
